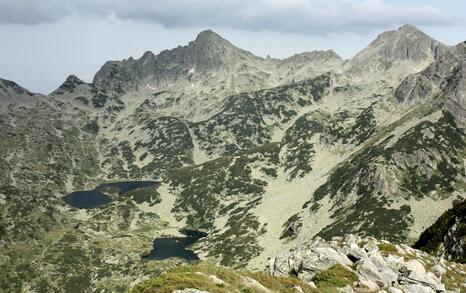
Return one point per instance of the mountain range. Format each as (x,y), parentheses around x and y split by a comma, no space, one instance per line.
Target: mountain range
(262,154)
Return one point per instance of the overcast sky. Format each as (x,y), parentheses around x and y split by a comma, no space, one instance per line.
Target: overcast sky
(43,41)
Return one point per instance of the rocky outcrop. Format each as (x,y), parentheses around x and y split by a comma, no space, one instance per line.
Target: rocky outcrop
(406,43)
(447,236)
(376,265)
(82,94)
(12,93)
(68,86)
(394,55)
(445,78)
(207,54)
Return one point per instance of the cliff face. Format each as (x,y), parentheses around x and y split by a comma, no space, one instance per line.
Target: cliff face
(447,236)
(443,80)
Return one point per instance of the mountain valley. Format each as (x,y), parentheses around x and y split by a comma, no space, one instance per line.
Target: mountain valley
(260,154)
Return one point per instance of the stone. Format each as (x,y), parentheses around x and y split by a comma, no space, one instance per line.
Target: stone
(376,270)
(254,284)
(369,284)
(354,252)
(190,290)
(370,246)
(271,265)
(415,266)
(418,288)
(394,290)
(216,280)
(346,289)
(414,273)
(4,259)
(351,239)
(382,276)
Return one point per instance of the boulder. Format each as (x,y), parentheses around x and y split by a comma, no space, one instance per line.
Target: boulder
(254,285)
(394,290)
(381,275)
(438,270)
(190,290)
(400,270)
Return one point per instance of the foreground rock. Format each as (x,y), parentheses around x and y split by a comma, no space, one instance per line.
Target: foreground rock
(367,265)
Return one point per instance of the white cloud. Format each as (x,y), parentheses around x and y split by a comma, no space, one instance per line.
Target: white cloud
(312,17)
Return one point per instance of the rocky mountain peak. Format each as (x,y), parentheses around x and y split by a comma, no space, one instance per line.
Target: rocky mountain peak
(74,80)
(405,43)
(209,40)
(403,32)
(147,55)
(209,36)
(409,28)
(6,85)
(11,92)
(208,52)
(71,82)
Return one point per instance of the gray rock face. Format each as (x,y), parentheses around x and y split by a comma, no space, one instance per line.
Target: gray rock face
(406,43)
(68,85)
(393,56)
(7,85)
(207,68)
(12,93)
(377,264)
(82,94)
(445,77)
(207,53)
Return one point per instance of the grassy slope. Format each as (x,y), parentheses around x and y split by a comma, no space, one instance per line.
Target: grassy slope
(199,276)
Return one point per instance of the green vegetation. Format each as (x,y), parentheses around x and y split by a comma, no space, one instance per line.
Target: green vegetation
(388,248)
(332,128)
(452,279)
(363,128)
(169,143)
(299,149)
(247,120)
(92,127)
(141,195)
(199,276)
(291,227)
(202,189)
(336,276)
(99,100)
(438,148)
(431,239)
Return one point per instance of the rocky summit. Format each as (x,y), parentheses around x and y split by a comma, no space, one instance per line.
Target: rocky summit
(305,174)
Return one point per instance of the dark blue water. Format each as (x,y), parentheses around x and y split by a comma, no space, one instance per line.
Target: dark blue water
(125,186)
(87,199)
(175,246)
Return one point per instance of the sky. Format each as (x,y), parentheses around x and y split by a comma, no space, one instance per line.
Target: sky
(44,41)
